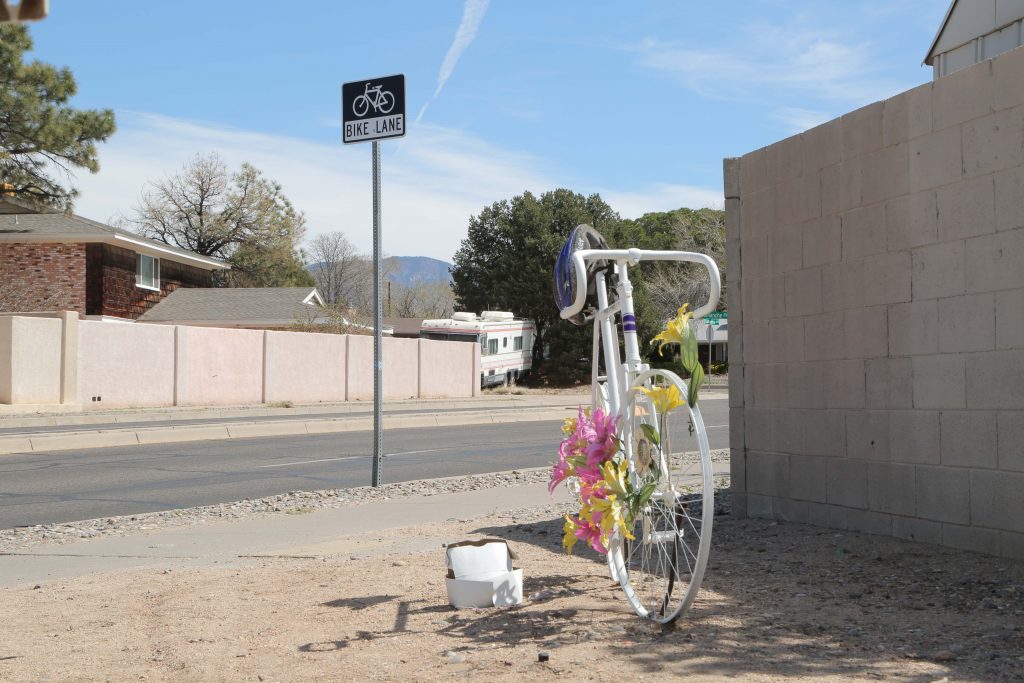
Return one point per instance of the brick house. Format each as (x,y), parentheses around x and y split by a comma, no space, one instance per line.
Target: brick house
(54,261)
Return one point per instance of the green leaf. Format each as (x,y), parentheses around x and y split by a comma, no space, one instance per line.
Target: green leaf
(645,493)
(696,378)
(651,433)
(688,351)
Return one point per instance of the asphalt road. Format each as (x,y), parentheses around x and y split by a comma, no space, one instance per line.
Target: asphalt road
(62,486)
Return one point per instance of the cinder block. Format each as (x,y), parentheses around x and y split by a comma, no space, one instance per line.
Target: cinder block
(863,231)
(737,469)
(887,173)
(968,323)
(943,494)
(869,522)
(804,386)
(754,256)
(935,159)
(895,120)
(758,429)
(972,538)
(1007,88)
(754,171)
(789,510)
(737,391)
(733,208)
(799,200)
(867,434)
(768,298)
(767,385)
(768,474)
(807,478)
(1011,545)
(822,241)
(911,221)
(825,433)
(968,438)
(889,383)
(817,514)
(758,212)
(920,530)
(803,292)
(755,344)
(737,429)
(919,110)
(914,436)
(851,184)
(831,189)
(824,336)
(844,383)
(862,131)
(847,482)
(938,270)
(842,285)
(994,262)
(785,158)
(759,507)
(962,95)
(1009,198)
(786,340)
(822,146)
(787,431)
(996,380)
(996,500)
(1010,424)
(785,249)
(739,506)
(887,279)
(731,176)
(966,209)
(913,328)
(939,381)
(994,143)
(866,332)
(837,517)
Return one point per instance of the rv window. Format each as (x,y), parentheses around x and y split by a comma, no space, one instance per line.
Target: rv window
(504,343)
(517,344)
(493,344)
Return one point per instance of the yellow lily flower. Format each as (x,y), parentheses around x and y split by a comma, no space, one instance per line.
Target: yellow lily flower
(665,399)
(675,329)
(569,425)
(569,539)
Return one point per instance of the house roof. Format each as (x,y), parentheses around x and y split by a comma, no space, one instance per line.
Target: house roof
(18,223)
(965,21)
(278,306)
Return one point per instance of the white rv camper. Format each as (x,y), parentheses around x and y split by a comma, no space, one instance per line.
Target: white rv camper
(506,343)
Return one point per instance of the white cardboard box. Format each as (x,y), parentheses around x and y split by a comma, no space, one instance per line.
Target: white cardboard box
(480,574)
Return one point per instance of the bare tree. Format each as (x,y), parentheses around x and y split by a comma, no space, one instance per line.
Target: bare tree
(241,217)
(703,231)
(337,267)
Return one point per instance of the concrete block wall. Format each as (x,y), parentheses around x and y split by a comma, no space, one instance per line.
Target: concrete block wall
(876,306)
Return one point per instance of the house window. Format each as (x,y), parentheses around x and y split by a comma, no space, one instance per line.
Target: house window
(147,272)
(517,344)
(493,345)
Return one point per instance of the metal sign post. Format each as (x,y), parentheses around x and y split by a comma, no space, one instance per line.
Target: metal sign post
(374,110)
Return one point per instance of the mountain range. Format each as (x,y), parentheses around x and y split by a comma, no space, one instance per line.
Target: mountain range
(410,270)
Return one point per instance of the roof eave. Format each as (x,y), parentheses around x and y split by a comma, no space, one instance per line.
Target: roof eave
(118,239)
(938,34)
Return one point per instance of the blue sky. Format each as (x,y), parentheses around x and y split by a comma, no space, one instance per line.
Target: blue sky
(637,101)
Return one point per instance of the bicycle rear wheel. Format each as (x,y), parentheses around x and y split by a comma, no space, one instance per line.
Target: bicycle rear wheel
(662,567)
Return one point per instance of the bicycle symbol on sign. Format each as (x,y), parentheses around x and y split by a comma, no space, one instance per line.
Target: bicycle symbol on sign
(381,100)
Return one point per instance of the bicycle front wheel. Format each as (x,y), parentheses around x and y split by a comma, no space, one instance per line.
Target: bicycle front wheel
(662,566)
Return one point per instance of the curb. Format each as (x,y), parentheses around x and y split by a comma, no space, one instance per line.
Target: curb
(108,438)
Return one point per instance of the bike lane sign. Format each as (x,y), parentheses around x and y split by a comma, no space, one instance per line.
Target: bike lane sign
(373,109)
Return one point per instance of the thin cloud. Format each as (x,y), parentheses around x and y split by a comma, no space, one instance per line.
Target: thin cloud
(473,12)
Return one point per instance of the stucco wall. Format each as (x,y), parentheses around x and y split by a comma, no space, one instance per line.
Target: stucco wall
(125,364)
(304,367)
(30,360)
(218,366)
(876,268)
(114,364)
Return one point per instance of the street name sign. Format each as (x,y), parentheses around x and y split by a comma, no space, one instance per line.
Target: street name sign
(716,317)
(373,109)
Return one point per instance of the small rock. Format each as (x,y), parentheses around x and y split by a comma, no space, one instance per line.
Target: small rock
(943,656)
(454,657)
(36,587)
(399,563)
(543,656)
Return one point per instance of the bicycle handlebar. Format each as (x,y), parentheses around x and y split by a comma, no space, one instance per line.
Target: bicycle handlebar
(635,256)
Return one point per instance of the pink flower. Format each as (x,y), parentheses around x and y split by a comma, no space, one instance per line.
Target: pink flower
(559,473)
(591,533)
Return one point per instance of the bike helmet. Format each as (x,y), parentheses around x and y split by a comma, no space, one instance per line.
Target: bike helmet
(582,237)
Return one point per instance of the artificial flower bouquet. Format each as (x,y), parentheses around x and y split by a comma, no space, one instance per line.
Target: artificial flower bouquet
(593,456)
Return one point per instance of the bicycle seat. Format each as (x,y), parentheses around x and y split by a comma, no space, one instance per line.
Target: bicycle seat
(582,237)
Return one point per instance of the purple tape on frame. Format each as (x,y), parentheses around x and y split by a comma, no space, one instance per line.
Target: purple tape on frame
(629,323)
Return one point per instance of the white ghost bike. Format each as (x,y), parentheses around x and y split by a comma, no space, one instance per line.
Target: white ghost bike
(661,567)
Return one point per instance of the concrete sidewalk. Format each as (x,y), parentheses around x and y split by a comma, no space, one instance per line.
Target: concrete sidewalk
(319,534)
(131,427)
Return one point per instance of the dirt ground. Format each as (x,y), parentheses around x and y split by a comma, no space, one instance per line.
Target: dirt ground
(781,602)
